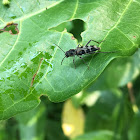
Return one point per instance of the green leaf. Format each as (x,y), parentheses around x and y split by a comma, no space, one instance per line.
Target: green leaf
(32,124)
(133,132)
(100,115)
(99,135)
(123,70)
(116,22)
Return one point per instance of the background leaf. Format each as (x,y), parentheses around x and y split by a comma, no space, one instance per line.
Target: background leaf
(32,123)
(72,120)
(104,135)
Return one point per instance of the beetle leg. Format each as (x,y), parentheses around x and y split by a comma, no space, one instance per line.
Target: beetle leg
(83,61)
(74,62)
(94,41)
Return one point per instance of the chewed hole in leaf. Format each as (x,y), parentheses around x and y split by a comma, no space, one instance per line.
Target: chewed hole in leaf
(11,28)
(76,27)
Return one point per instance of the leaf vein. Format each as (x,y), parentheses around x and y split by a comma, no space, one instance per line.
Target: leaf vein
(19,7)
(124,34)
(118,20)
(76,7)
(2,20)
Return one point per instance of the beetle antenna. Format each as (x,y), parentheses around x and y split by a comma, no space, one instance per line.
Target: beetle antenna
(106,52)
(62,60)
(60,48)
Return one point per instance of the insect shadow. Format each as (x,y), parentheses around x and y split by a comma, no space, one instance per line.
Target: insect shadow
(82,50)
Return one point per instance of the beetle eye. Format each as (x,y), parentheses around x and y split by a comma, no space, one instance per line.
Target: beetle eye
(66,54)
